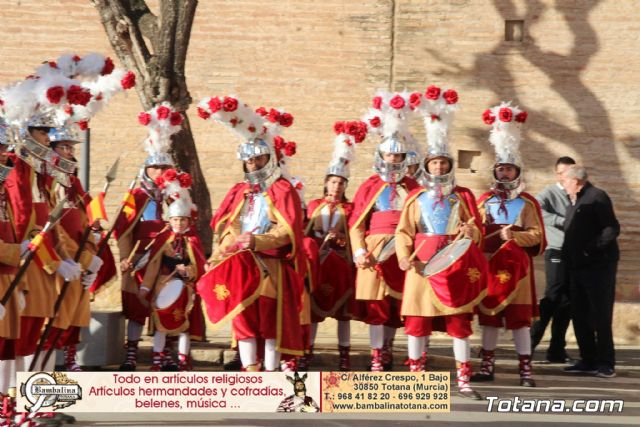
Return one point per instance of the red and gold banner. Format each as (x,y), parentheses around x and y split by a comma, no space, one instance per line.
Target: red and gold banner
(46,255)
(96,210)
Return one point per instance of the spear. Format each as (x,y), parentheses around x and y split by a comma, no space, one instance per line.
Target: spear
(54,217)
(109,178)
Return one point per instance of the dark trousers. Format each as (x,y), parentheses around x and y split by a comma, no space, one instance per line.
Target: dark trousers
(592,297)
(555,305)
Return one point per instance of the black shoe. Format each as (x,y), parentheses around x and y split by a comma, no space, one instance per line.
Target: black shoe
(606,372)
(568,360)
(170,367)
(581,368)
(527,382)
(480,377)
(469,394)
(64,418)
(233,365)
(127,367)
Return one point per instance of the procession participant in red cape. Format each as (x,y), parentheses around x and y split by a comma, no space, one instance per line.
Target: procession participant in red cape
(261,223)
(66,91)
(74,312)
(9,261)
(377,207)
(435,215)
(334,291)
(176,263)
(514,232)
(141,221)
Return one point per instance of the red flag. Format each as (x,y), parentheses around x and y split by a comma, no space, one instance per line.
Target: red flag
(46,255)
(96,210)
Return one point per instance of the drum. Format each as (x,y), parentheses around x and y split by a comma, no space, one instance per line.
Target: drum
(446,257)
(169,293)
(230,286)
(457,276)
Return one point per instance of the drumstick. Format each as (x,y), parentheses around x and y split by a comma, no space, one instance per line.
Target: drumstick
(324,242)
(498,231)
(368,254)
(133,251)
(415,252)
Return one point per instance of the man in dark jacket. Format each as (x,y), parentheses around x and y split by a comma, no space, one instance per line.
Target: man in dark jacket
(555,304)
(591,252)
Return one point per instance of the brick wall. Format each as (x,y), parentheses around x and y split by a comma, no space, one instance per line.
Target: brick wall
(576,73)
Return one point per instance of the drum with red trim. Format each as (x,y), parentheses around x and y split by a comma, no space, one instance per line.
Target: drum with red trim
(169,293)
(231,284)
(458,273)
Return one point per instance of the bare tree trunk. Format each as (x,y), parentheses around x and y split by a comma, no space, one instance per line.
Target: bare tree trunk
(131,26)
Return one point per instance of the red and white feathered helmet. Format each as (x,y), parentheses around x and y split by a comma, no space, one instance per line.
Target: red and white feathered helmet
(259,130)
(161,121)
(348,135)
(506,133)
(176,187)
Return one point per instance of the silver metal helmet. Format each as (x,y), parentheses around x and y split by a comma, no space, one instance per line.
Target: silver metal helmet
(253,148)
(339,168)
(266,175)
(413,158)
(181,208)
(46,119)
(63,133)
(159,159)
(439,184)
(389,172)
(393,144)
(508,189)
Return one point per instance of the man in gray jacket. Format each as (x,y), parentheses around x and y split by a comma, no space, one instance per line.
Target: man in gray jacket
(555,304)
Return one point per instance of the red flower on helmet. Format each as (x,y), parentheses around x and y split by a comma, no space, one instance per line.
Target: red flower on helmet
(185,180)
(128,81)
(68,109)
(251,128)
(278,142)
(78,95)
(521,117)
(203,113)
(505,114)
(435,117)
(160,182)
(487,117)
(290,148)
(414,100)
(451,96)
(163,112)
(338,127)
(83,125)
(76,58)
(274,116)
(351,128)
(432,93)
(299,185)
(286,120)
(215,104)
(397,102)
(377,102)
(375,122)
(55,94)
(175,119)
(108,67)
(170,174)
(53,64)
(144,118)
(262,111)
(229,104)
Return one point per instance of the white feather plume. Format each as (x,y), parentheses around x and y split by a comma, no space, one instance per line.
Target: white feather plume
(506,131)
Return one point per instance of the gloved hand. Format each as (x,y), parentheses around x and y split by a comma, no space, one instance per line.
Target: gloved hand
(22,302)
(24,246)
(69,270)
(95,264)
(88,279)
(2,311)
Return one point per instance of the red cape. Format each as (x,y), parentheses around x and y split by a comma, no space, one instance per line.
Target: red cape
(365,197)
(20,201)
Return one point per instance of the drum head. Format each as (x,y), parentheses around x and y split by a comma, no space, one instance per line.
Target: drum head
(387,250)
(169,293)
(446,256)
